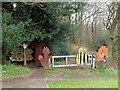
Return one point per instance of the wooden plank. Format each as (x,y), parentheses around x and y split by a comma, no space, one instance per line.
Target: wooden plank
(64,56)
(65,65)
(77,59)
(66,61)
(85,58)
(52,61)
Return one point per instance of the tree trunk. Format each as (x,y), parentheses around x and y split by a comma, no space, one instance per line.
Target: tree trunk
(112,30)
(110,56)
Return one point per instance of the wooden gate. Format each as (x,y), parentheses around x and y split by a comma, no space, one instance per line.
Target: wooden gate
(64,59)
(82,58)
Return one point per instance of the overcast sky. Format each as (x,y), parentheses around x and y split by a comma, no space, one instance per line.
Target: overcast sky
(58,0)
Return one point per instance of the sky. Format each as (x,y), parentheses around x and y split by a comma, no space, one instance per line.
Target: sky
(58,0)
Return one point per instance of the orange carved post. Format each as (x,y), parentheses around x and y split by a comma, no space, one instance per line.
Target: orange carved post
(102,53)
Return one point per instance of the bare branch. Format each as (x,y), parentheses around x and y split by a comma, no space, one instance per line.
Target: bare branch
(96,12)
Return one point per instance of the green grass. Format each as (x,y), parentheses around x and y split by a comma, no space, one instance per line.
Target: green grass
(111,83)
(104,73)
(13,71)
(51,71)
(66,72)
(78,72)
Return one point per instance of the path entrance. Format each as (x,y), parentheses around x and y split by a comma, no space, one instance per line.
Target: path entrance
(38,80)
(35,80)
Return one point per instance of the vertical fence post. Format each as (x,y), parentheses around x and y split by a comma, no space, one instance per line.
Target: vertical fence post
(66,60)
(93,58)
(90,59)
(77,58)
(85,58)
(53,61)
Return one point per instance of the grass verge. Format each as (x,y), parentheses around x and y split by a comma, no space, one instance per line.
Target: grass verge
(13,71)
(111,83)
(79,72)
(106,72)
(66,72)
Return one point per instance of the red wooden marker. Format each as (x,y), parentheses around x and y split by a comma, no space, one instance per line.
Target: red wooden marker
(50,57)
(40,57)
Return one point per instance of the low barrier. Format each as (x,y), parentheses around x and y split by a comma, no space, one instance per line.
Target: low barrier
(89,60)
(66,60)
(83,58)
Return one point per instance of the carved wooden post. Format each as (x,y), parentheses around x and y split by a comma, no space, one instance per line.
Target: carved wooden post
(46,53)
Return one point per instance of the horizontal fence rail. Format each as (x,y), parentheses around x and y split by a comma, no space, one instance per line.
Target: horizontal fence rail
(64,56)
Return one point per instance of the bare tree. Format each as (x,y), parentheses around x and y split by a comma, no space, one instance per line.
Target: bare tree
(113,19)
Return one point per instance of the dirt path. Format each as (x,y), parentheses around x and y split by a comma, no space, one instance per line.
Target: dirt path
(38,80)
(35,80)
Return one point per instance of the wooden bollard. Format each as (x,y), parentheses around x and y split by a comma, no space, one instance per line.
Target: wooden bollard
(82,56)
(79,56)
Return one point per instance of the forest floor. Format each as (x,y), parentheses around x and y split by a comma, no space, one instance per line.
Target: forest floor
(39,80)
